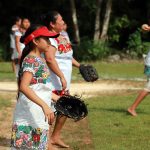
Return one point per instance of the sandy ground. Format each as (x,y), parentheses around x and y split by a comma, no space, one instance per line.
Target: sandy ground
(86,88)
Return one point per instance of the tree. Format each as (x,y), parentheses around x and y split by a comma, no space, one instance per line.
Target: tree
(75,22)
(97,20)
(106,20)
(101,27)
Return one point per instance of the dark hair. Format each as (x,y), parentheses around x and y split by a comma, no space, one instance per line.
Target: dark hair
(50,16)
(28,47)
(16,18)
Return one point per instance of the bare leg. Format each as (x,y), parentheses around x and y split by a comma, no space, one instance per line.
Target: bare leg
(55,137)
(137,101)
(50,146)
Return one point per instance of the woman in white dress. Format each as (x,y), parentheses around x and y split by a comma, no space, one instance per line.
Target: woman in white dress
(14,28)
(62,56)
(25,24)
(33,112)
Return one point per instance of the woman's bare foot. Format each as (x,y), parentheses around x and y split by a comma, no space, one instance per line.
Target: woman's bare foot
(132,112)
(59,143)
(51,147)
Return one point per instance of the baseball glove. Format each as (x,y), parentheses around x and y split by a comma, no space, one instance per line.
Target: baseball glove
(72,107)
(88,73)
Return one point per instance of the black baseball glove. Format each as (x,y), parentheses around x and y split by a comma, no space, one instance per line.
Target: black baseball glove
(72,107)
(88,73)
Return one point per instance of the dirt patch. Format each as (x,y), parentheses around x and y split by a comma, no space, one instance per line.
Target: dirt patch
(6,114)
(105,86)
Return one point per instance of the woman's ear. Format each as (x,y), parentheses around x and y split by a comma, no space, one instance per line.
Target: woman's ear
(51,24)
(35,42)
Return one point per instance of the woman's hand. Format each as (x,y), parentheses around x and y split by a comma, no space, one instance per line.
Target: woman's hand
(64,83)
(145,27)
(55,97)
(49,114)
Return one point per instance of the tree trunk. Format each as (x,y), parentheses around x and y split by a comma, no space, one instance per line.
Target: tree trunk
(97,21)
(106,20)
(75,22)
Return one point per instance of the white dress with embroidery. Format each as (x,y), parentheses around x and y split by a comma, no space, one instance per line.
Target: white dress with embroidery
(29,126)
(63,56)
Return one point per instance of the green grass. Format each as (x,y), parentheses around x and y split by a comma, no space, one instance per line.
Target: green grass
(131,70)
(6,73)
(113,129)
(120,70)
(4,102)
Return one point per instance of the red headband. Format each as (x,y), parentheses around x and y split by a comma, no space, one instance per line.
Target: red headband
(42,31)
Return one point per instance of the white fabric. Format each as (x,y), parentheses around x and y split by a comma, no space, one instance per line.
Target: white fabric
(28,112)
(64,61)
(12,41)
(65,34)
(147,85)
(53,42)
(13,44)
(18,33)
(147,59)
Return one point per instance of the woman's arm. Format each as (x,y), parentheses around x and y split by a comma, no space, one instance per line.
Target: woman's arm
(75,63)
(55,97)
(52,64)
(30,94)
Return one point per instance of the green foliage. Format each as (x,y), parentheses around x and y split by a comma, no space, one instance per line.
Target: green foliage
(89,50)
(135,45)
(116,27)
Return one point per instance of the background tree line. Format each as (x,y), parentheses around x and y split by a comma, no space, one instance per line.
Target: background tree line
(97,28)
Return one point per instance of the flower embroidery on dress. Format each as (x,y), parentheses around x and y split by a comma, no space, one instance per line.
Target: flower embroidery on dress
(26,137)
(63,45)
(38,68)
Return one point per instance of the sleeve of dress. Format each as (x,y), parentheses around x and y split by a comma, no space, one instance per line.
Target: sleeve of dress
(18,33)
(53,42)
(29,64)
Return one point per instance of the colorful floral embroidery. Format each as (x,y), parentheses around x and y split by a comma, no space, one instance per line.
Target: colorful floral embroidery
(38,67)
(63,45)
(28,138)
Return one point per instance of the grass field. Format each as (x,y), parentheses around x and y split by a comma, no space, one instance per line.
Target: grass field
(6,73)
(108,126)
(113,129)
(130,70)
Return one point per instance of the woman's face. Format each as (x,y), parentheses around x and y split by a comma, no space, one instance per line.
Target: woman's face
(25,24)
(43,44)
(58,25)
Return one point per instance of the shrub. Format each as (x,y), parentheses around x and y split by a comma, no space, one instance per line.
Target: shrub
(89,50)
(135,45)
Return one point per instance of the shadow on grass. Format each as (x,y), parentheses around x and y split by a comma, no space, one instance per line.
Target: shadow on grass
(4,141)
(120,110)
(3,72)
(114,110)
(110,109)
